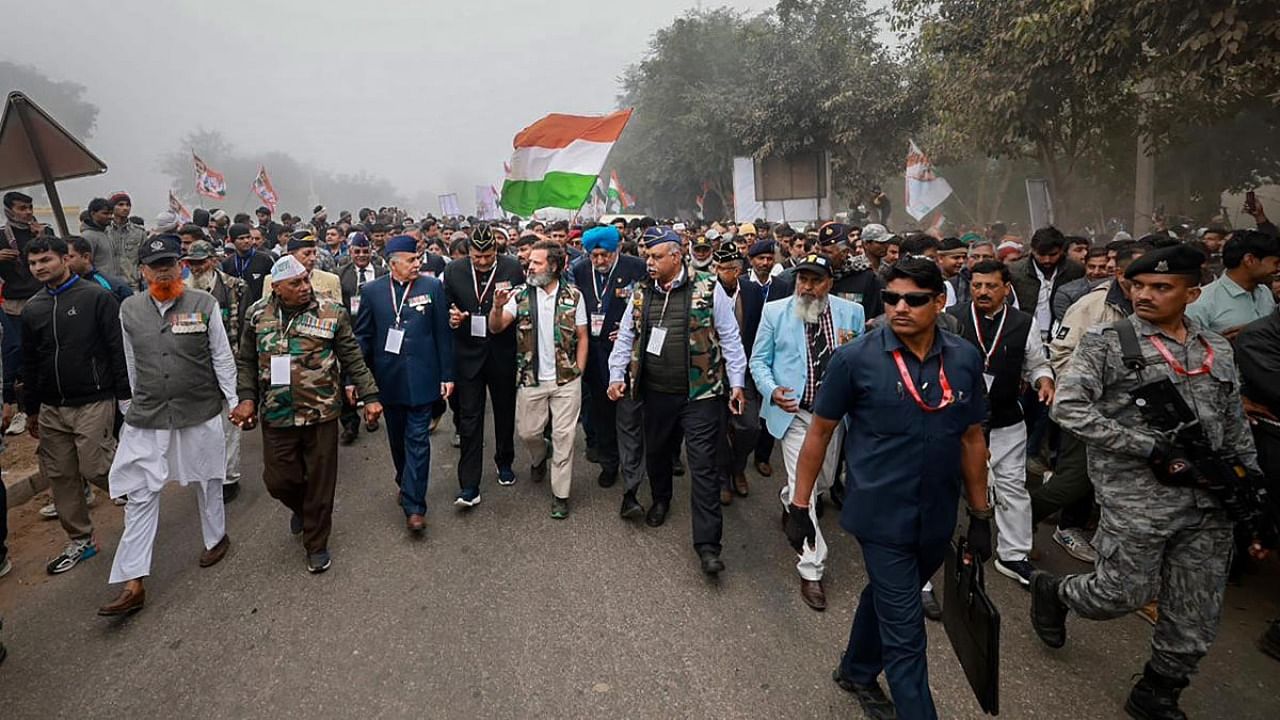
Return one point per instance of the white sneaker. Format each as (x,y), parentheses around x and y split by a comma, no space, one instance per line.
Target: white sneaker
(50,511)
(18,425)
(5,566)
(1073,540)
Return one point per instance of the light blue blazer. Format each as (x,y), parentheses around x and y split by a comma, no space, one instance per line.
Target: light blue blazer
(780,356)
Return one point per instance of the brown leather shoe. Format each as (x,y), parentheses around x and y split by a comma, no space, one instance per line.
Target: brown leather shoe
(813,595)
(726,496)
(416,523)
(764,469)
(215,553)
(740,485)
(129,601)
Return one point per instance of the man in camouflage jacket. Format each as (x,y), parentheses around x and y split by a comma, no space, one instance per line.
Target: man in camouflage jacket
(1170,537)
(293,353)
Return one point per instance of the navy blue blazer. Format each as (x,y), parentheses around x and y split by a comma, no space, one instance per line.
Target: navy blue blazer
(754,299)
(614,299)
(412,377)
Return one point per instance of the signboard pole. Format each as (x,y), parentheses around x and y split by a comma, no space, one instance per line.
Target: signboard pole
(54,201)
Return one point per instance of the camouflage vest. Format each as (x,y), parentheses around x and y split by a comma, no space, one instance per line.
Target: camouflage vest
(314,393)
(565,332)
(706,362)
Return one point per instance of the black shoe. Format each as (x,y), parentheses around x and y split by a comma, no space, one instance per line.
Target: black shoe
(932,609)
(837,494)
(592,455)
(631,508)
(318,562)
(1048,613)
(875,704)
(657,514)
(371,426)
(1155,697)
(677,469)
(607,477)
(538,473)
(1269,643)
(711,562)
(349,435)
(295,524)
(230,492)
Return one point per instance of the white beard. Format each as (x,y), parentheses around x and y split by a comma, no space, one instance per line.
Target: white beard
(809,310)
(202,281)
(541,280)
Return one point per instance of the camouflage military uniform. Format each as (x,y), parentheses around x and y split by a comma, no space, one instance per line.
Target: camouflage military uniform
(300,419)
(229,291)
(320,342)
(1153,538)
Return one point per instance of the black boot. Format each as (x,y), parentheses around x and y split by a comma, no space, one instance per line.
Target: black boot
(1270,641)
(1155,697)
(1048,613)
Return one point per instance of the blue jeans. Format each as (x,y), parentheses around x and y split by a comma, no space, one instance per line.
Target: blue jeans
(409,434)
(888,628)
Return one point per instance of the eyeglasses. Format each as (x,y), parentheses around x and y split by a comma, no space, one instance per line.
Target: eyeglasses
(914,299)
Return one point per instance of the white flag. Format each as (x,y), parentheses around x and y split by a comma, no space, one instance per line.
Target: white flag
(925,190)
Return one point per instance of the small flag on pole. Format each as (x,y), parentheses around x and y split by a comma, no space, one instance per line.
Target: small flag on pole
(177,208)
(263,189)
(925,190)
(557,160)
(209,182)
(617,195)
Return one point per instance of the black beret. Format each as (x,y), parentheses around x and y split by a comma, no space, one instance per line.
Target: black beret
(482,237)
(300,243)
(833,233)
(761,247)
(1172,260)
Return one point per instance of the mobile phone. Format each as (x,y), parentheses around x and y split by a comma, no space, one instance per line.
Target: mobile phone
(1250,201)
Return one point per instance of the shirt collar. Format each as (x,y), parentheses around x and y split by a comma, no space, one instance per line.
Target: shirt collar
(1232,287)
(891,342)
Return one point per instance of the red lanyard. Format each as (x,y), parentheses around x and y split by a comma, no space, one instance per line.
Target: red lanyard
(977,328)
(947,396)
(1173,363)
(475,281)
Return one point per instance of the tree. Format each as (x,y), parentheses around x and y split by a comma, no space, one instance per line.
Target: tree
(63,100)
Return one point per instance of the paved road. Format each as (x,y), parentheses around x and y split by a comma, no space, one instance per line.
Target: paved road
(506,613)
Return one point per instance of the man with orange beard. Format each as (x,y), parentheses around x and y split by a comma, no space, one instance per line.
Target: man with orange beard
(184,377)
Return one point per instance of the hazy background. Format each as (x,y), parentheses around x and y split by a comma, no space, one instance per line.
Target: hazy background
(427,95)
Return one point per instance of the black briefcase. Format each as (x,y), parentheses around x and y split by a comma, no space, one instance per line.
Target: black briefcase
(973,625)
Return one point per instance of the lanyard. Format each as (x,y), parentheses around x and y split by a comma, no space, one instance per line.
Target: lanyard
(288,328)
(241,267)
(977,328)
(61,288)
(399,306)
(947,396)
(595,276)
(475,282)
(1173,363)
(666,298)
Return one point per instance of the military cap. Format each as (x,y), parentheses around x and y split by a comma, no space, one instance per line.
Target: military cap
(358,239)
(727,254)
(401,244)
(160,247)
(815,263)
(1172,260)
(482,237)
(876,233)
(200,250)
(833,233)
(702,241)
(655,236)
(298,243)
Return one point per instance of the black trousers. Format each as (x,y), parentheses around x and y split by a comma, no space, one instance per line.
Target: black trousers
(666,417)
(1069,490)
(498,377)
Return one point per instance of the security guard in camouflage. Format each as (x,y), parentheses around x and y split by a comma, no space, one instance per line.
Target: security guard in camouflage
(1152,537)
(292,356)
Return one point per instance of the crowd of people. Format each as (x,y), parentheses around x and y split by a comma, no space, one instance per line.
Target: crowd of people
(901,373)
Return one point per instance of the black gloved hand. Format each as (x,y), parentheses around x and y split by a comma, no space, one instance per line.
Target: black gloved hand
(800,528)
(978,541)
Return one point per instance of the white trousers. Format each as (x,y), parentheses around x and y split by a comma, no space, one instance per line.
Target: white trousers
(142,517)
(532,407)
(1008,482)
(813,560)
(233,451)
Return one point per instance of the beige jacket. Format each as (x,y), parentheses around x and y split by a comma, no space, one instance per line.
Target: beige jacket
(1090,310)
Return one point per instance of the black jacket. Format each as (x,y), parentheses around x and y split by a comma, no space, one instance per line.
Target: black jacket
(257,271)
(72,349)
(1026,284)
(616,297)
(18,282)
(470,353)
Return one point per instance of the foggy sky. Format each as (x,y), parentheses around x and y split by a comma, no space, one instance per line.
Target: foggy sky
(427,94)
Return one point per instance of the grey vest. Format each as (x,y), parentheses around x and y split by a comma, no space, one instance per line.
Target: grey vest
(669,372)
(175,385)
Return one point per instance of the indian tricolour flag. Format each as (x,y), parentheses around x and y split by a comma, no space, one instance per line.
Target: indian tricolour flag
(557,161)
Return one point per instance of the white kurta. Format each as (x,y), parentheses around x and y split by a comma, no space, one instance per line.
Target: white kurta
(151,458)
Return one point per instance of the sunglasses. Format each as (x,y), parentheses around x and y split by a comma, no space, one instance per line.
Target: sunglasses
(914,299)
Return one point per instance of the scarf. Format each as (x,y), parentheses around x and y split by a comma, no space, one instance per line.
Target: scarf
(14,221)
(853,264)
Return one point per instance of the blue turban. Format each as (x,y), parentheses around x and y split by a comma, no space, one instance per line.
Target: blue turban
(655,236)
(604,237)
(401,243)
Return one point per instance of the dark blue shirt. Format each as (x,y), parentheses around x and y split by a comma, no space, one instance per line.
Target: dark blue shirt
(903,475)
